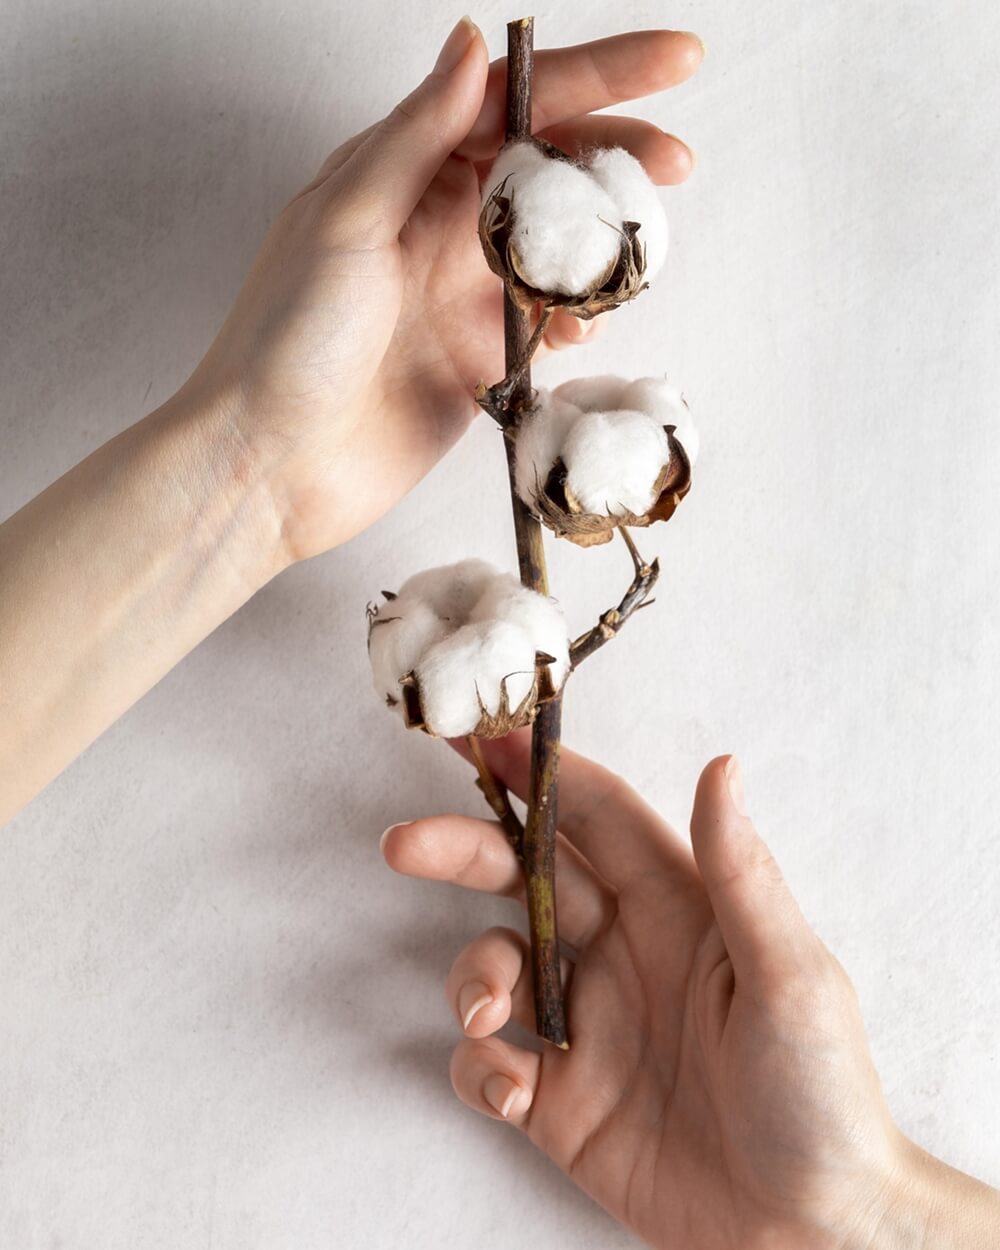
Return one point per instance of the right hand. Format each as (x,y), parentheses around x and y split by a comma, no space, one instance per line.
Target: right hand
(719,1090)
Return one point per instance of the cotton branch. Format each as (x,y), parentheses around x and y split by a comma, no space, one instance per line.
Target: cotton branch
(506,402)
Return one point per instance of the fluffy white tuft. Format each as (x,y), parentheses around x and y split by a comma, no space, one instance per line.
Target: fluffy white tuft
(539,441)
(597,394)
(451,590)
(467,632)
(405,628)
(636,199)
(505,599)
(613,460)
(664,401)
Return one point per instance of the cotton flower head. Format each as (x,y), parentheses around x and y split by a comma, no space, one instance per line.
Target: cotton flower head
(457,650)
(602,452)
(586,235)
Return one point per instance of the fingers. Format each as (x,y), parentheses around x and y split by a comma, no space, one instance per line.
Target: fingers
(495,1078)
(603,817)
(666,159)
(386,175)
(768,938)
(569,82)
(565,330)
(490,983)
(476,854)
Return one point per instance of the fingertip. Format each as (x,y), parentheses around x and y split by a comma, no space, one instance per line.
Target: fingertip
(387,834)
(692,52)
(495,1078)
(674,162)
(506,1096)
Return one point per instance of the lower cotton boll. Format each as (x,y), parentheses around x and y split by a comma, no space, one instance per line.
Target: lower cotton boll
(462,641)
(613,461)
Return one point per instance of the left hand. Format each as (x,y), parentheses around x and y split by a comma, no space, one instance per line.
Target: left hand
(349,360)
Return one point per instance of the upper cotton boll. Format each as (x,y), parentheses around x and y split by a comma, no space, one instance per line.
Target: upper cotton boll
(565,228)
(635,198)
(613,460)
(539,442)
(664,401)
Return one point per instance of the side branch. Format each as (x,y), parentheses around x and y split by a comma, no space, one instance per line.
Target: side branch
(637,596)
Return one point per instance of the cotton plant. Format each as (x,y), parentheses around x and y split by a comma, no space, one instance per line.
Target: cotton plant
(468,650)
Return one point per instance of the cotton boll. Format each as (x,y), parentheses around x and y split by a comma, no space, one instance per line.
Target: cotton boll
(538,616)
(597,394)
(636,199)
(613,460)
(452,589)
(565,227)
(403,630)
(471,665)
(662,400)
(539,442)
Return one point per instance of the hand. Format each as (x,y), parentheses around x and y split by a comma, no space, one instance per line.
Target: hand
(719,1090)
(349,360)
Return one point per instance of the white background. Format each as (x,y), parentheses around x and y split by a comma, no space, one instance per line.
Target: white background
(221,1017)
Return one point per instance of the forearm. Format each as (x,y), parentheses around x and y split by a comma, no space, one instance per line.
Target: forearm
(116,572)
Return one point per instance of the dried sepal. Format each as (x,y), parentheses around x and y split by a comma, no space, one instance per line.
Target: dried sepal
(623,280)
(490,725)
(563,514)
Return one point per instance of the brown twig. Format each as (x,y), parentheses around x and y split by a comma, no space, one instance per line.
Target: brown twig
(496,399)
(637,596)
(540,827)
(497,797)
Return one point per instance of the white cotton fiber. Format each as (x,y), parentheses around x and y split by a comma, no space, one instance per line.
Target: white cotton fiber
(597,394)
(613,460)
(539,439)
(636,199)
(451,590)
(470,666)
(404,629)
(464,631)
(505,599)
(565,226)
(664,401)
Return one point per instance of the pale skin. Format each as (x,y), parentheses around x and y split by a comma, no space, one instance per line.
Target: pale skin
(718,1091)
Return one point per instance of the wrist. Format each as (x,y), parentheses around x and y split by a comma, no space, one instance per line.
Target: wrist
(927,1205)
(235,473)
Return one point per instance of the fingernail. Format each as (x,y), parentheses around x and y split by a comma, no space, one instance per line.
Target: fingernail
(398,825)
(700,41)
(502,1093)
(472,997)
(734,775)
(455,46)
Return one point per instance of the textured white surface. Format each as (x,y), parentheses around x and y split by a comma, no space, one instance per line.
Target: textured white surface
(222,1022)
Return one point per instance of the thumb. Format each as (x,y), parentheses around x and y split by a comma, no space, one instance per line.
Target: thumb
(381,183)
(766,935)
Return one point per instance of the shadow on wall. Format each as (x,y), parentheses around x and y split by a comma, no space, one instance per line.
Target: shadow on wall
(143,159)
